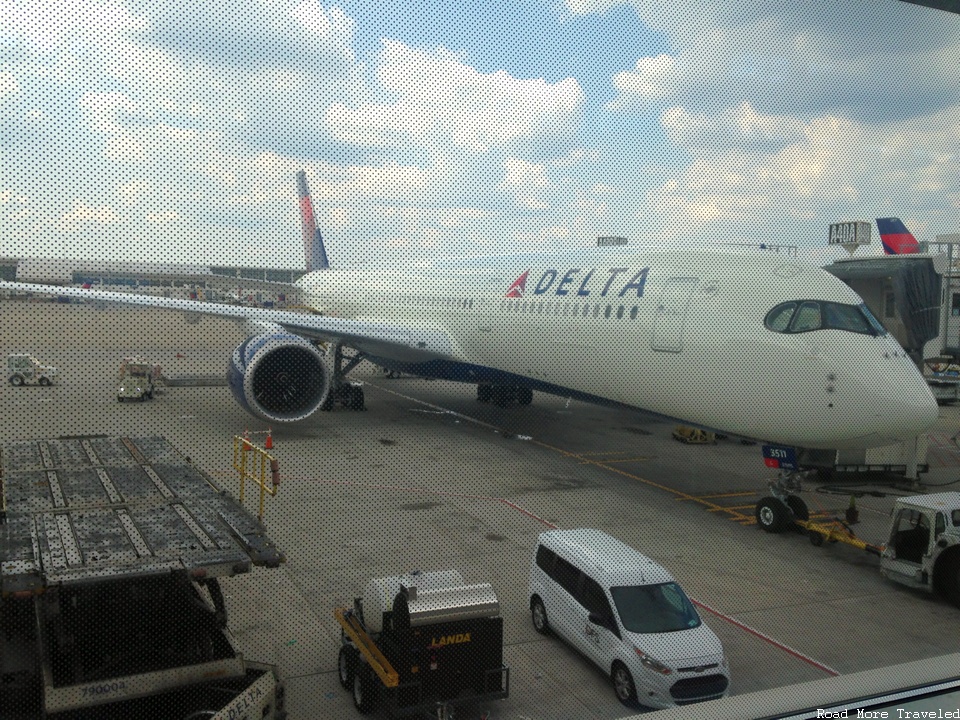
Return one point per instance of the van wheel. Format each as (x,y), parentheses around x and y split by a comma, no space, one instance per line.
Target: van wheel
(539,614)
(623,684)
(346,666)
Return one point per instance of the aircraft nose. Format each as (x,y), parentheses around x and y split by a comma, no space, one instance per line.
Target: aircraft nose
(915,406)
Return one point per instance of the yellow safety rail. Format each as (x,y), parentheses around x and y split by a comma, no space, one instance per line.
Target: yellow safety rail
(255,469)
(836,531)
(354,630)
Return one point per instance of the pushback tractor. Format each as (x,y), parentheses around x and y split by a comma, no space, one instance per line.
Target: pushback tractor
(423,642)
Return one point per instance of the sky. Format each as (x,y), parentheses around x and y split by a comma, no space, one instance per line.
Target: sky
(172,131)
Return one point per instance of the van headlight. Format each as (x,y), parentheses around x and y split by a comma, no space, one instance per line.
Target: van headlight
(651,663)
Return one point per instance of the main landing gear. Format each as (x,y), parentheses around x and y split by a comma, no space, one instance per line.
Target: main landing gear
(778,511)
(348,394)
(504,395)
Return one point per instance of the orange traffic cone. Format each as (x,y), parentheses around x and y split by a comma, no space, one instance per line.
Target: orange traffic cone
(246,441)
(269,443)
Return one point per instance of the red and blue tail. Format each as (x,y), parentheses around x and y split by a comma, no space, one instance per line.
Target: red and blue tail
(897,240)
(313,250)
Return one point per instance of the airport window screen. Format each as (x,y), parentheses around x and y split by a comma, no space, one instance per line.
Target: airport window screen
(311,331)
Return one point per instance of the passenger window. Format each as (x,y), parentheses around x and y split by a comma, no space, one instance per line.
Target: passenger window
(633,313)
(606,313)
(593,598)
(620,313)
(807,318)
(566,575)
(545,559)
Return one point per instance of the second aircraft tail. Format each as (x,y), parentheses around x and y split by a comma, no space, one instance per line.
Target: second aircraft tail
(896,239)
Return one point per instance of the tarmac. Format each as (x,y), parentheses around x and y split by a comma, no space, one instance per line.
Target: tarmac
(427,478)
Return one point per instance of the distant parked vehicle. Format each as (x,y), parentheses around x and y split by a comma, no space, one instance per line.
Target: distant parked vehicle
(25,369)
(137,380)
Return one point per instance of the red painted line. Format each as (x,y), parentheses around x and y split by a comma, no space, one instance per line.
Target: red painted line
(766,638)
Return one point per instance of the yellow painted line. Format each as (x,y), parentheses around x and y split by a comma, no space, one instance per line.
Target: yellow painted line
(650,483)
(726,495)
(732,507)
(605,452)
(619,460)
(581,457)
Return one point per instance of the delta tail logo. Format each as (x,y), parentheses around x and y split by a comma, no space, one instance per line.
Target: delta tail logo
(519,286)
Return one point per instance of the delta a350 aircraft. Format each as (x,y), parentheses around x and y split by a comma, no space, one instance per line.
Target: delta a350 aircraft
(752,345)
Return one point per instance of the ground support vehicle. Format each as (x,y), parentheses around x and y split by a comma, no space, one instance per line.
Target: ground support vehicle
(943,376)
(112,550)
(423,642)
(923,541)
(23,369)
(138,380)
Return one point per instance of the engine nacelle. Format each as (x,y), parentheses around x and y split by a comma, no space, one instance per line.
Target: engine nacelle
(279,377)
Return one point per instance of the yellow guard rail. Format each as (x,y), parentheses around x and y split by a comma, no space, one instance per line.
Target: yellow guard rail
(255,469)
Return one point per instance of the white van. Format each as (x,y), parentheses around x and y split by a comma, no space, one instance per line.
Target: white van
(629,616)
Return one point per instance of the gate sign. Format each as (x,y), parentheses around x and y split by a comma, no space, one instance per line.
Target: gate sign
(777,456)
(850,233)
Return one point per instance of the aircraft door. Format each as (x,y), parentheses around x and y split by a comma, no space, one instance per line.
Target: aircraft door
(671,314)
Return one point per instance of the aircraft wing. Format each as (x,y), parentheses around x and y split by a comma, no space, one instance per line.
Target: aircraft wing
(383,339)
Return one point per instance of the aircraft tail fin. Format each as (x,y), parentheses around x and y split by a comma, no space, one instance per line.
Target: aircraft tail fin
(313,249)
(897,240)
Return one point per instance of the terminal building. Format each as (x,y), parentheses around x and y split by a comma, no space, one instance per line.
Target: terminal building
(216,283)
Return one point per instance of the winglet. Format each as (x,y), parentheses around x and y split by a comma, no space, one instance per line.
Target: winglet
(314,253)
(897,240)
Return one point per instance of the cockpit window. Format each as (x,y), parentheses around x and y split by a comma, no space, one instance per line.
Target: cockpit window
(801,316)
(779,318)
(806,318)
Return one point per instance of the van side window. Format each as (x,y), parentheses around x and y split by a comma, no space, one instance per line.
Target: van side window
(566,575)
(593,598)
(545,558)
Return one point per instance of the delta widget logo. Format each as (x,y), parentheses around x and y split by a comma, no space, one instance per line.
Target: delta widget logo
(519,286)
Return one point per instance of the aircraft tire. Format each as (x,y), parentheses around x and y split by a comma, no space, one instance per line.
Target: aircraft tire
(772,515)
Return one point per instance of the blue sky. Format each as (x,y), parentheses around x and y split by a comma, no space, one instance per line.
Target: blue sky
(171,131)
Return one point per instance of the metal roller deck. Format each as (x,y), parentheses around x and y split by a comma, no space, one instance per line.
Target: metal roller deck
(80,510)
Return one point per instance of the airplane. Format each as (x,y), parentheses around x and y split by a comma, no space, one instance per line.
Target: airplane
(896,239)
(755,346)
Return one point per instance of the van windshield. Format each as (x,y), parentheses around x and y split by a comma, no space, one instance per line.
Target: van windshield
(654,608)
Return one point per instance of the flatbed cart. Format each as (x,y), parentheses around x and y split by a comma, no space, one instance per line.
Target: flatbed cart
(111,550)
(423,642)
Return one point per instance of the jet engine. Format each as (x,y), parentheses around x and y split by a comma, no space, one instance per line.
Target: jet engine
(279,377)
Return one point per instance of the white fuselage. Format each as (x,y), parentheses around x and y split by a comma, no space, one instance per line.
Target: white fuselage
(679,333)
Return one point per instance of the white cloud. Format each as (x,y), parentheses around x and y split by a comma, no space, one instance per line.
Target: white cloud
(133,192)
(44,23)
(8,84)
(442,102)
(83,214)
(103,109)
(124,148)
(523,174)
(162,218)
